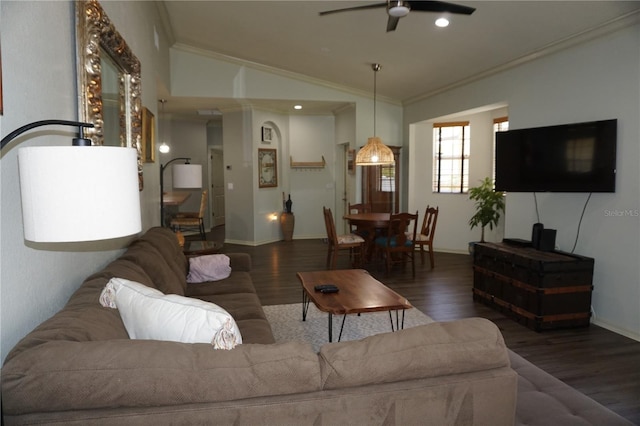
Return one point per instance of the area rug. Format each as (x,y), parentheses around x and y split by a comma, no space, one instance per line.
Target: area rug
(287,325)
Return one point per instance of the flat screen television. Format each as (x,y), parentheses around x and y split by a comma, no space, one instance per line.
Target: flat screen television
(579,157)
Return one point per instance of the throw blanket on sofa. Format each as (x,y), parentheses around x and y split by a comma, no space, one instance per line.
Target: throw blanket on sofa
(213,267)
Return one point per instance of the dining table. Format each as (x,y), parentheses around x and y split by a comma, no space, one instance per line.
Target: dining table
(368,225)
(175,198)
(171,201)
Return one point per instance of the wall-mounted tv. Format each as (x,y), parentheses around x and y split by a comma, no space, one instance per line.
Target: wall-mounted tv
(579,157)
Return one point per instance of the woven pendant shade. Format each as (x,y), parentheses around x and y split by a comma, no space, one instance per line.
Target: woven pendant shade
(374,153)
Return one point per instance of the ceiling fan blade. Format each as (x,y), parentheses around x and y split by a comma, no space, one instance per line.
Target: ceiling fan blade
(392,23)
(440,6)
(368,6)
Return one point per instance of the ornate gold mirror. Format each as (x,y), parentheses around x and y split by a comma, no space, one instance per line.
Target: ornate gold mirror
(109,85)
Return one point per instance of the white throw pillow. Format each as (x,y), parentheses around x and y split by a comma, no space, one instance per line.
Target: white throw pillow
(149,314)
(212,267)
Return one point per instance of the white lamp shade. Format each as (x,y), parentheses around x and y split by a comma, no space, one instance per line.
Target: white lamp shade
(187,176)
(72,193)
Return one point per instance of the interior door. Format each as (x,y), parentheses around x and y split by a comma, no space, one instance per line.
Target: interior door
(217,187)
(381,185)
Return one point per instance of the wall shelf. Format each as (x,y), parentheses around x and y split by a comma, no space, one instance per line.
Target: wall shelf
(307,164)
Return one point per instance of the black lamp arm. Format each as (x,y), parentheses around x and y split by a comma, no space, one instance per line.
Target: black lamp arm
(79,141)
(187,160)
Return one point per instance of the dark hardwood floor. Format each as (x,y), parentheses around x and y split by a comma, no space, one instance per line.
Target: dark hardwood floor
(599,363)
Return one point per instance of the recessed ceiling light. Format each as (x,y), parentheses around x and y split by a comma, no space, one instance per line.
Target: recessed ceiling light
(442,22)
(297,107)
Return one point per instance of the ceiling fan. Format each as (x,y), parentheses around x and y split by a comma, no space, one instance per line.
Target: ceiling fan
(397,9)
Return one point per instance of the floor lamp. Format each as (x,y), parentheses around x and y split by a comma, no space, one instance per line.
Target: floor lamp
(185,176)
(79,192)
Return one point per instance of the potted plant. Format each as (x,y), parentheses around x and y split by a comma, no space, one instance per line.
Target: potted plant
(489,205)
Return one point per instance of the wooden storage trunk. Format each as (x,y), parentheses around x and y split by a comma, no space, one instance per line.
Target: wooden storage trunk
(543,290)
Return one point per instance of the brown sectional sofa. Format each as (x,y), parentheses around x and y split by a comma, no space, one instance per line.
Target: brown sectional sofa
(80,367)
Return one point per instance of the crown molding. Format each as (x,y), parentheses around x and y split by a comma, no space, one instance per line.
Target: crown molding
(589,34)
(166,22)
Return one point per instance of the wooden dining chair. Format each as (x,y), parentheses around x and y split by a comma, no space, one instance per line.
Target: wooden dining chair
(352,242)
(398,243)
(357,209)
(425,236)
(192,219)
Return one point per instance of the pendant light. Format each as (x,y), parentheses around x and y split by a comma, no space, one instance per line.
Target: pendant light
(163,148)
(374,153)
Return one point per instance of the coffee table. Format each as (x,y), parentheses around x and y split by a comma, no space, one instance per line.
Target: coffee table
(359,293)
(201,247)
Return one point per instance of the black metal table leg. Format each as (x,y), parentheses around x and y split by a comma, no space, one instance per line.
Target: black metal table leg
(305,304)
(342,326)
(399,326)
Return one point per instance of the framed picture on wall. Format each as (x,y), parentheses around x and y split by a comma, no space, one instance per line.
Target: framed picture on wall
(267,168)
(148,136)
(351,161)
(267,134)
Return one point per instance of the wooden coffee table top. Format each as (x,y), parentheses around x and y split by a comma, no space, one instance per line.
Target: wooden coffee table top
(359,292)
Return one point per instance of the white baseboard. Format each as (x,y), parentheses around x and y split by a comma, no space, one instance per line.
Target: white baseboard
(626,333)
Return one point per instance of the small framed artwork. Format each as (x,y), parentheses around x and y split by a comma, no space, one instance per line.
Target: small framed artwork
(351,161)
(267,168)
(148,136)
(267,134)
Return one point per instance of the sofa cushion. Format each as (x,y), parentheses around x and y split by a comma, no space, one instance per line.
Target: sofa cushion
(431,350)
(166,277)
(245,308)
(166,242)
(149,314)
(238,282)
(60,376)
(563,405)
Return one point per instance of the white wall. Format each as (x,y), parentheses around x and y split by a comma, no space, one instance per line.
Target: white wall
(268,201)
(592,81)
(198,73)
(237,135)
(312,137)
(38,72)
(455,209)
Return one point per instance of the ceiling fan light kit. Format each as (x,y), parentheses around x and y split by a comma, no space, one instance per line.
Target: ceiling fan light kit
(397,9)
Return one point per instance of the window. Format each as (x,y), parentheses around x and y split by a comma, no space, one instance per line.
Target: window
(451,157)
(500,124)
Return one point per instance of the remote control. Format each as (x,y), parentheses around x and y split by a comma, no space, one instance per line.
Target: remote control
(330,289)
(321,287)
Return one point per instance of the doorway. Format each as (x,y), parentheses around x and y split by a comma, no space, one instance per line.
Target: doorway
(381,185)
(217,187)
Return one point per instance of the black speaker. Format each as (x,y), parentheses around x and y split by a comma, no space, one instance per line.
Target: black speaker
(548,240)
(536,235)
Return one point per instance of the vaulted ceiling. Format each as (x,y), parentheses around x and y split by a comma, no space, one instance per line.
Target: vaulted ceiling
(418,58)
